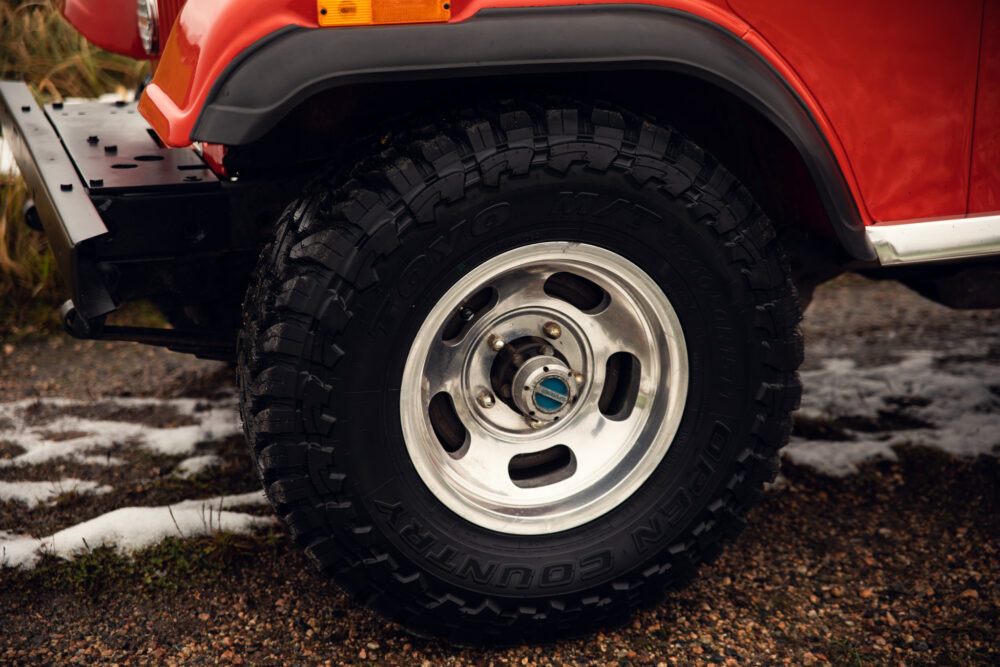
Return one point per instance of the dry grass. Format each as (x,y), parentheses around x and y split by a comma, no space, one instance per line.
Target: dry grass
(39,47)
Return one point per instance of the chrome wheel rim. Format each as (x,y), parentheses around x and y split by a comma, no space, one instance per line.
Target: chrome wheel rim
(544,388)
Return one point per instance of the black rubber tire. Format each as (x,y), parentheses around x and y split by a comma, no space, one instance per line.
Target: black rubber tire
(357,263)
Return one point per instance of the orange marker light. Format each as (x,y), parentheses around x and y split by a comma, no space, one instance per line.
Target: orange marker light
(371,12)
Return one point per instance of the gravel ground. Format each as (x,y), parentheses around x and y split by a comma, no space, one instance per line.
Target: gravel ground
(897,564)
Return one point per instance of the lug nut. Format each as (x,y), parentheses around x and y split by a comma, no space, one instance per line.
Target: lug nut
(578,378)
(485,399)
(495,342)
(552,330)
(547,350)
(535,424)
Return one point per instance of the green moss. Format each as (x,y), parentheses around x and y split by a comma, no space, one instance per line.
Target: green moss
(172,565)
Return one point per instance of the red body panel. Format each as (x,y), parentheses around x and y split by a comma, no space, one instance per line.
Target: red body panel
(984,190)
(210,33)
(207,35)
(110,24)
(195,55)
(891,85)
(897,80)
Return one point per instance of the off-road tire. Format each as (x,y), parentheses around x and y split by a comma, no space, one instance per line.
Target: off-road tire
(353,269)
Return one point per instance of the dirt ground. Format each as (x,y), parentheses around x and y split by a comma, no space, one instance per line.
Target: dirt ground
(897,564)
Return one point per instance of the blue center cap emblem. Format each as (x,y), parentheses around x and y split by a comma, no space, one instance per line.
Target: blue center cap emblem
(551,394)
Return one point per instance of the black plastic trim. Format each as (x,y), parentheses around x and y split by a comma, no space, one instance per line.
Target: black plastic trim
(61,199)
(283,70)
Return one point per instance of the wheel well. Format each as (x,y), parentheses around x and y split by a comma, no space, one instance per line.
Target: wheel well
(343,123)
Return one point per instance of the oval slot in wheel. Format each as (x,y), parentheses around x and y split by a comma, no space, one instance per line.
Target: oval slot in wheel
(542,468)
(576,290)
(447,426)
(621,386)
(475,306)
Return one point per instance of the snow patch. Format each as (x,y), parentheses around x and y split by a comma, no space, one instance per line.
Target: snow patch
(36,493)
(129,529)
(61,437)
(18,550)
(196,465)
(958,396)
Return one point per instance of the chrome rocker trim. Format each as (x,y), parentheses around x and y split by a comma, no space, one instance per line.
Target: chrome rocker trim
(936,240)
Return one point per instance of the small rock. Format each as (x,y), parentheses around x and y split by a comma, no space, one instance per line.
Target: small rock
(969,594)
(373,646)
(865,593)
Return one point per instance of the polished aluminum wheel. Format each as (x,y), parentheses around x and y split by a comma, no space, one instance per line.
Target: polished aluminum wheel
(544,388)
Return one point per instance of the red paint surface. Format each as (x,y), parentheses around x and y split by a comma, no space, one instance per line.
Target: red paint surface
(984,192)
(169,9)
(892,85)
(210,33)
(110,24)
(213,155)
(897,81)
(207,35)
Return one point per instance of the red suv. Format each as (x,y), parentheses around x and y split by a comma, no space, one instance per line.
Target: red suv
(514,287)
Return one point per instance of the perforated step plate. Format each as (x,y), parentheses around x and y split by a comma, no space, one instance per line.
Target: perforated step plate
(114,149)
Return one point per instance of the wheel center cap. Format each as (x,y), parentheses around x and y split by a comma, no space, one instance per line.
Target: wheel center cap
(544,389)
(551,394)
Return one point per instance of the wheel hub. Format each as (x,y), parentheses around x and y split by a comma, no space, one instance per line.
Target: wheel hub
(544,388)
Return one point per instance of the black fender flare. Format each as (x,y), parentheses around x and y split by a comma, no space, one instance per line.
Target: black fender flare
(282,70)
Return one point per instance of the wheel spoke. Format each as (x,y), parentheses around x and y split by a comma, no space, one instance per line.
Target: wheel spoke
(618,328)
(485,461)
(523,288)
(444,366)
(594,439)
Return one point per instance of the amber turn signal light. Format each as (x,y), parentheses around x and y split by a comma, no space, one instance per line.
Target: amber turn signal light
(374,12)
